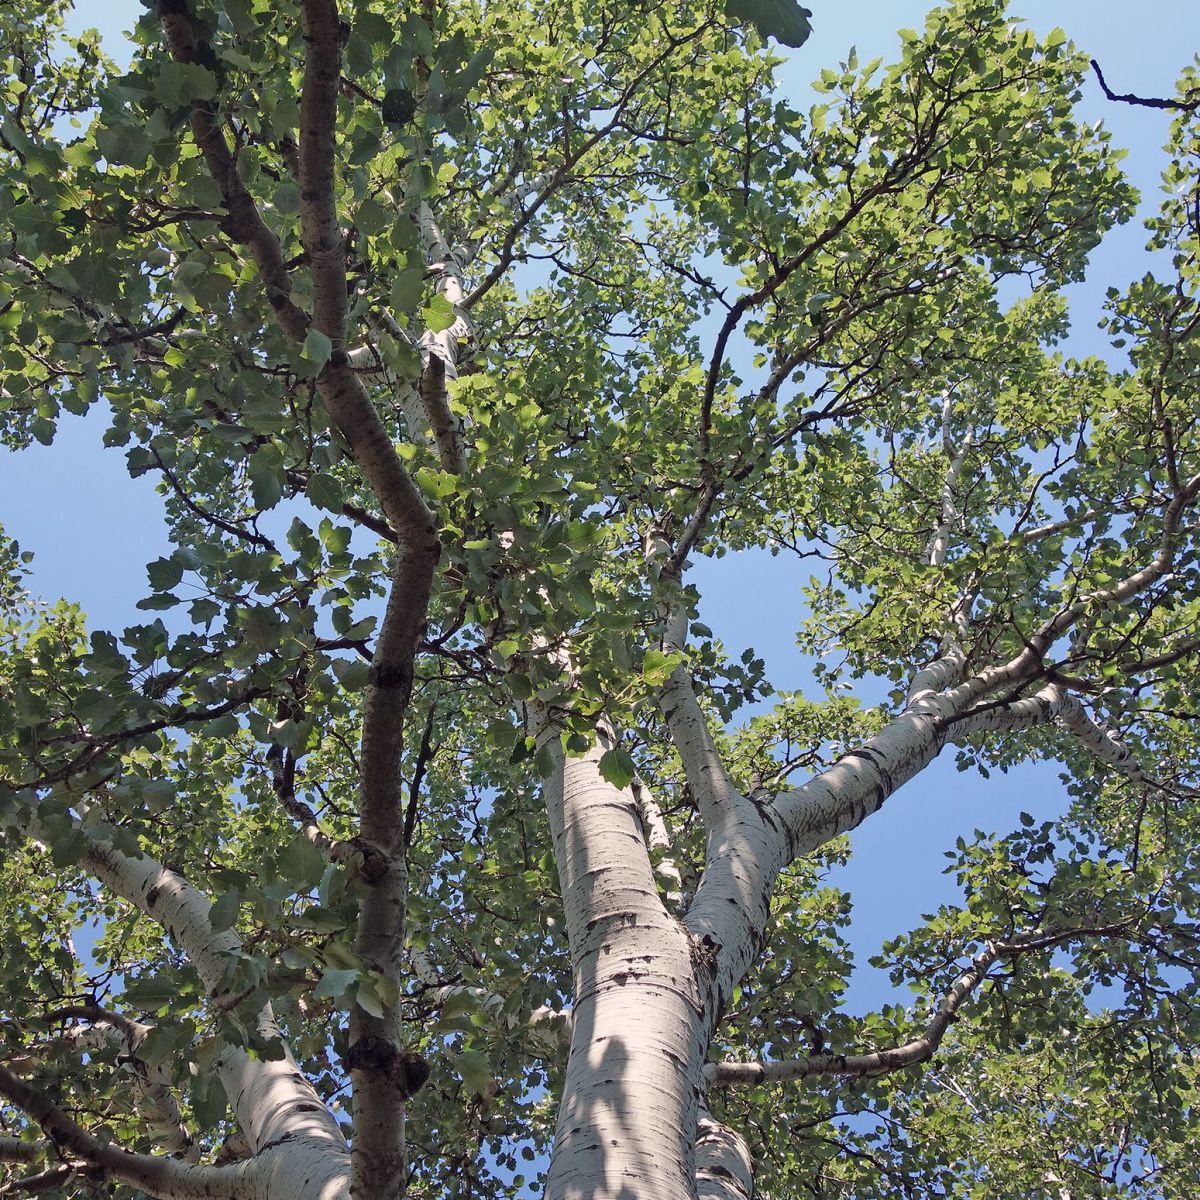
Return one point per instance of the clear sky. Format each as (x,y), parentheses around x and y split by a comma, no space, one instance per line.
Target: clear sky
(93,528)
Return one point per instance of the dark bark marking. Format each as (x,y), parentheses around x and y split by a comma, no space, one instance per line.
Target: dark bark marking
(405,1071)
(390,675)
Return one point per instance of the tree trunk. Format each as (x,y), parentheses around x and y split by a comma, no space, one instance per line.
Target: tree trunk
(627,1120)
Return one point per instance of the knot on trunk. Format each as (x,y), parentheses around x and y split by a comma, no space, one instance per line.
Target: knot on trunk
(704,951)
(374,863)
(404,1070)
(389,675)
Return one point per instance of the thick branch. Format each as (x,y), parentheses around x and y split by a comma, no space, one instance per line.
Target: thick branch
(269,1099)
(939,543)
(165,1177)
(321,232)
(724,1168)
(1009,717)
(154,1094)
(690,734)
(243,222)
(17,1150)
(658,839)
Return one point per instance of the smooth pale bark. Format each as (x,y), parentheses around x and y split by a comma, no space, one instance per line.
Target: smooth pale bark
(658,840)
(724,1168)
(153,1085)
(271,1100)
(649,990)
(627,1120)
(275,1106)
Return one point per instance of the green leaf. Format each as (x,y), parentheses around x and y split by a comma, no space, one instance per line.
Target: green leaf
(262,628)
(543,762)
(399,106)
(181,83)
(317,347)
(164,574)
(784,20)
(301,861)
(657,666)
(352,673)
(617,767)
(209,1104)
(151,993)
(335,982)
(475,1068)
(335,538)
(406,290)
(69,848)
(287,197)
(266,486)
(438,314)
(324,492)
(372,217)
(224,911)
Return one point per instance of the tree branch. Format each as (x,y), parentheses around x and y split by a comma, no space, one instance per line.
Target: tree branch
(658,838)
(322,235)
(1028,662)
(17,1150)
(907,1054)
(243,222)
(1143,101)
(152,1081)
(168,1178)
(724,1168)
(270,1099)
(690,734)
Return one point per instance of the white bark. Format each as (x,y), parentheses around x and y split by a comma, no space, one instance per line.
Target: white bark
(658,839)
(627,1119)
(450,343)
(153,1086)
(299,1150)
(1039,709)
(1102,743)
(272,1101)
(724,1168)
(1053,704)
(405,394)
(711,786)
(939,543)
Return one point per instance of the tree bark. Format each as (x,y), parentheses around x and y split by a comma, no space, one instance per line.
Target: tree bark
(627,1120)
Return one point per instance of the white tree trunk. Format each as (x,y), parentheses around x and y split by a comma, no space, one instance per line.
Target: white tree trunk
(627,1120)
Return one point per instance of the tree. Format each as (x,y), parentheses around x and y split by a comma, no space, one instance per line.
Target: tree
(414,829)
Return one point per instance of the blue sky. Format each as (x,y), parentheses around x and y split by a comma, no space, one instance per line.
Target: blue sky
(93,529)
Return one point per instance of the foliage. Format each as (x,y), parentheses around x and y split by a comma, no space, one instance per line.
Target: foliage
(693,320)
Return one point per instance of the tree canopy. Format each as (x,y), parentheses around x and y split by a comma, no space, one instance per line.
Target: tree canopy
(416,836)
